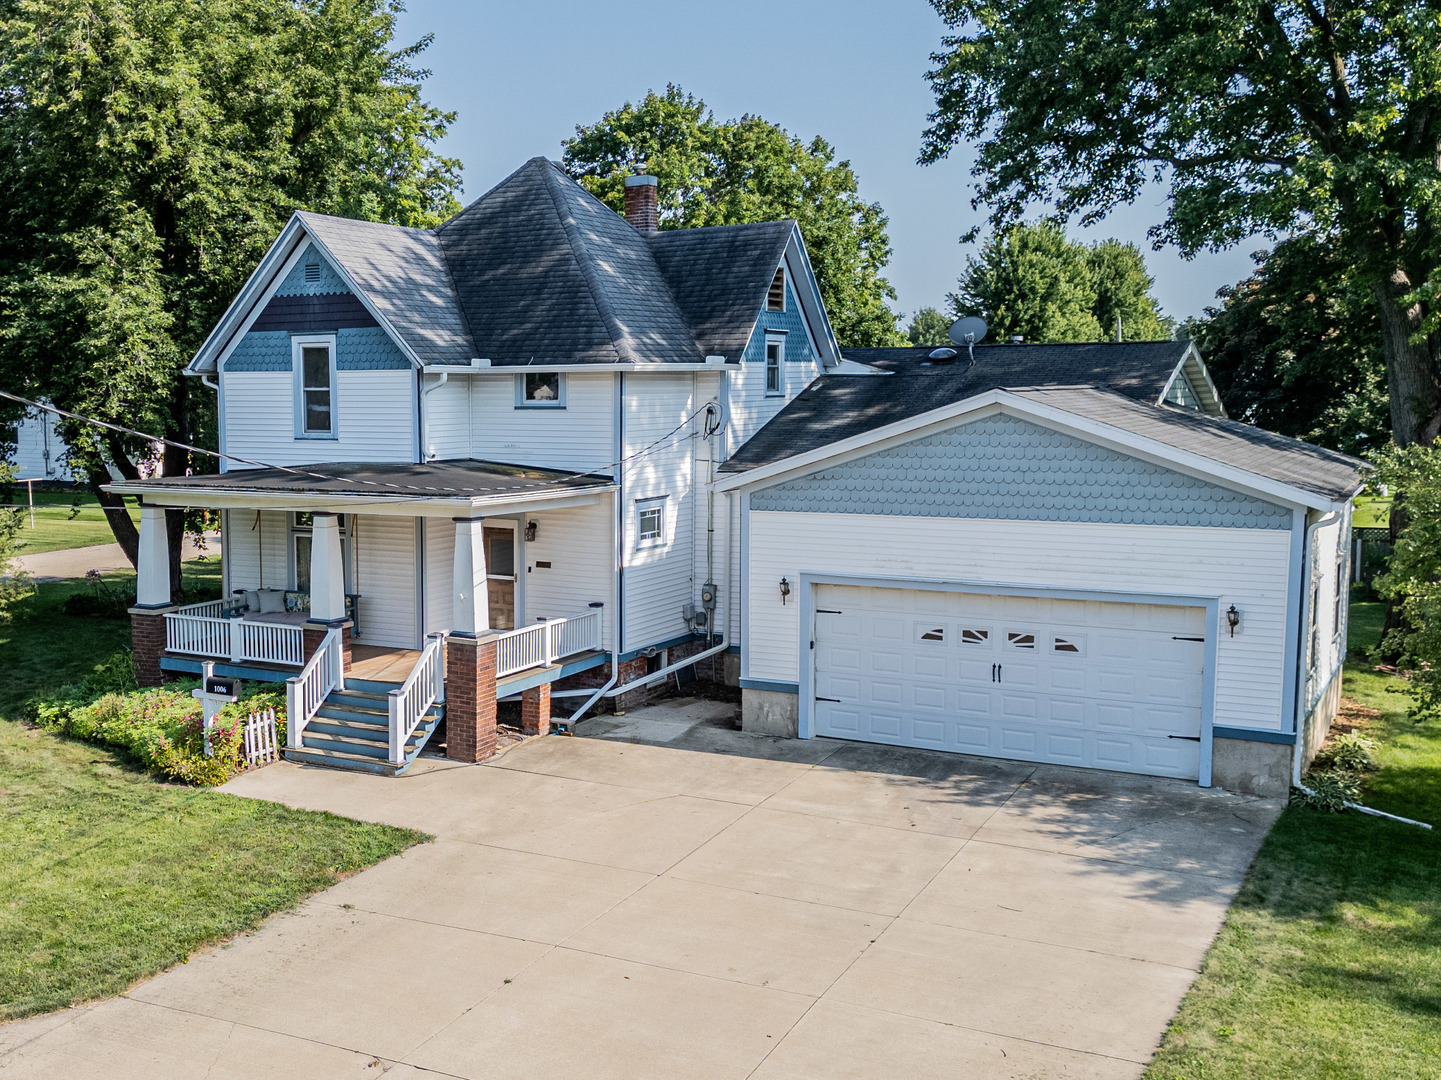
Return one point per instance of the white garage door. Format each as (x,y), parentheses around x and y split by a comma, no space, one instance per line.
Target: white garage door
(1097,684)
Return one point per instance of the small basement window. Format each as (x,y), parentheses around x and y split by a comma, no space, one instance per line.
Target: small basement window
(540,390)
(776,297)
(314,365)
(775,355)
(650,523)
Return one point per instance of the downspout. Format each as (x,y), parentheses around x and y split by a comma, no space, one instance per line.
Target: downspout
(710,438)
(1304,664)
(425,392)
(645,680)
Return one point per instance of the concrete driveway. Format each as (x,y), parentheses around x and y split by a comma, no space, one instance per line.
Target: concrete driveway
(669,898)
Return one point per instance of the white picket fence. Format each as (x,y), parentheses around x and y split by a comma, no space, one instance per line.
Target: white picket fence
(262,742)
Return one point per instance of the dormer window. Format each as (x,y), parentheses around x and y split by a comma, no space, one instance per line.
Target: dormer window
(776,298)
(540,390)
(775,356)
(313,362)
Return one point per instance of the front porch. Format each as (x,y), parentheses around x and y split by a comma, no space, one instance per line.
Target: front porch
(391,613)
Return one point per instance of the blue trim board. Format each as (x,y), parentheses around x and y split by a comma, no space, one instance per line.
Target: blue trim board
(1252,735)
(233,671)
(1291,674)
(773,687)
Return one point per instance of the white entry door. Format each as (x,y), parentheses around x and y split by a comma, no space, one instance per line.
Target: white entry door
(1073,682)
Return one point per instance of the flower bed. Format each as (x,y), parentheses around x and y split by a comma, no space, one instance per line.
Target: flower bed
(161,728)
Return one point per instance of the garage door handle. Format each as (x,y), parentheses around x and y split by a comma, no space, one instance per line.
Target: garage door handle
(1186,738)
(836,700)
(827,611)
(1177,637)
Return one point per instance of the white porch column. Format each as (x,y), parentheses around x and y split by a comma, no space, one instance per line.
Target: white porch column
(471,588)
(152,571)
(327,576)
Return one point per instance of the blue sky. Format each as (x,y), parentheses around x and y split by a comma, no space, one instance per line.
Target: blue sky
(522,75)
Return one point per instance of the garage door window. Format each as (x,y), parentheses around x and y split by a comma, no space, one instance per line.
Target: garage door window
(975,637)
(1068,644)
(1021,639)
(936,633)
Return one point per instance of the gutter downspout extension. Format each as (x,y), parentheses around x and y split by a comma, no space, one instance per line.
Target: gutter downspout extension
(1300,718)
(644,680)
(425,392)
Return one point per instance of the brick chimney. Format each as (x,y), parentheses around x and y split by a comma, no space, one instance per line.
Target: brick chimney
(642,202)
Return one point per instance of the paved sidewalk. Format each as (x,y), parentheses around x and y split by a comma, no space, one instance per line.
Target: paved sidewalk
(673,899)
(76,562)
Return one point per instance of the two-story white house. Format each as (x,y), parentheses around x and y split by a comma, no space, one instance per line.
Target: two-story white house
(545,448)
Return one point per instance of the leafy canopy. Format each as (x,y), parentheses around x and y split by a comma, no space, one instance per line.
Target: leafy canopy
(929,327)
(1269,116)
(150,151)
(1295,348)
(738,171)
(1413,575)
(1031,281)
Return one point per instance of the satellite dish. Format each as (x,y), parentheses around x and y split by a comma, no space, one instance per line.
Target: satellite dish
(968,331)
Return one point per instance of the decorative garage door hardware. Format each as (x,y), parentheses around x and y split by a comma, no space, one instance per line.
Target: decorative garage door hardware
(1179,637)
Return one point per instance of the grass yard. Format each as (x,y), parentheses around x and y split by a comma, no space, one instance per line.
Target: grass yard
(55,528)
(1329,964)
(109,876)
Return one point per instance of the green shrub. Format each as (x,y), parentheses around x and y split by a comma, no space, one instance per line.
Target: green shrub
(162,728)
(1330,791)
(1352,752)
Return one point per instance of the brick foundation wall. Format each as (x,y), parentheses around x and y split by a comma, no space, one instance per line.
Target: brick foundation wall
(535,710)
(147,642)
(711,669)
(634,668)
(470,698)
(313,636)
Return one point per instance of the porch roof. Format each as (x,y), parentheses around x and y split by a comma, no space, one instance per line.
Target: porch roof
(429,489)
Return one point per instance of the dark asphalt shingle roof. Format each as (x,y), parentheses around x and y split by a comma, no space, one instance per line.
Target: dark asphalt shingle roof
(461,478)
(403,273)
(719,277)
(1114,384)
(545,272)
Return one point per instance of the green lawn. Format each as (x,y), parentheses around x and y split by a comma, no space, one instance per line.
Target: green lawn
(1329,964)
(109,876)
(55,529)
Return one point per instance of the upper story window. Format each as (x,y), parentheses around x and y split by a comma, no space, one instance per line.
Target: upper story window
(313,360)
(649,522)
(540,389)
(776,297)
(775,355)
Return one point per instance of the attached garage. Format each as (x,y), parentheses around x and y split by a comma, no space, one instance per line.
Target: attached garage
(1102,684)
(1078,571)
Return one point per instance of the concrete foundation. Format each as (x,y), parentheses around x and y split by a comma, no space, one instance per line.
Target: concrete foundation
(770,712)
(731,668)
(1318,720)
(1251,768)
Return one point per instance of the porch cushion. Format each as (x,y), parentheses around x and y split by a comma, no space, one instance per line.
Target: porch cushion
(252,600)
(272,601)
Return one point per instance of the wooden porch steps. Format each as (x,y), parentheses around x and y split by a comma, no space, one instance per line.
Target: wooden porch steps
(352,731)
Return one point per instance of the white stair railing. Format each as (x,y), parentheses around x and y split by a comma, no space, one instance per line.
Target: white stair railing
(306,692)
(546,642)
(422,688)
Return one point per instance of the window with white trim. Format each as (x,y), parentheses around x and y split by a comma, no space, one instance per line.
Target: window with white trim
(649,522)
(313,359)
(540,390)
(1338,616)
(775,356)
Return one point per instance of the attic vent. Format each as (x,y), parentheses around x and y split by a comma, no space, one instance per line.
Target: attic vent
(312,272)
(776,298)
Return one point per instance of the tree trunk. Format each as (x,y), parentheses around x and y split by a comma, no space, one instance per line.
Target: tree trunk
(126,534)
(175,462)
(1411,369)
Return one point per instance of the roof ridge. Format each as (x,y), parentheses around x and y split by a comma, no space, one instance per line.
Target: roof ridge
(581,255)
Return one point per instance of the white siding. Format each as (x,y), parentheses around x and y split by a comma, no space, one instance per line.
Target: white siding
(39,449)
(1328,547)
(657,579)
(374,416)
(1247,567)
(475,416)
(385,564)
(439,572)
(256,541)
(710,388)
(577,544)
(748,407)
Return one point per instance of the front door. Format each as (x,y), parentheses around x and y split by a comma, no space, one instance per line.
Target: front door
(500,570)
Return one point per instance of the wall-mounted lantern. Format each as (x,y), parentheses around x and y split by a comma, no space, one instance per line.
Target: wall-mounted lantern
(1233,619)
(785,589)
(531,528)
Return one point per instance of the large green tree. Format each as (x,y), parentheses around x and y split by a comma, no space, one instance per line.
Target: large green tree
(1269,116)
(929,327)
(728,173)
(1295,348)
(1030,280)
(150,151)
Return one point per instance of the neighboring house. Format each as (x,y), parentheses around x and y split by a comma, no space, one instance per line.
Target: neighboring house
(492,443)
(39,449)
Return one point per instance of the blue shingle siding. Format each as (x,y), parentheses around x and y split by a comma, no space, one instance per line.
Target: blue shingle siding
(1004,467)
(328,282)
(798,344)
(361,349)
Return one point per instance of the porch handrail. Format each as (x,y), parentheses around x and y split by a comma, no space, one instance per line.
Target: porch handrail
(306,692)
(546,642)
(579,633)
(214,609)
(229,637)
(423,687)
(198,635)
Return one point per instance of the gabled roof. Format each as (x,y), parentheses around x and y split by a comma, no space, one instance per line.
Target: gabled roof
(546,272)
(719,277)
(403,273)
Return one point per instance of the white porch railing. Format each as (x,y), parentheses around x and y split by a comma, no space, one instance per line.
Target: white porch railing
(204,630)
(422,688)
(546,642)
(306,692)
